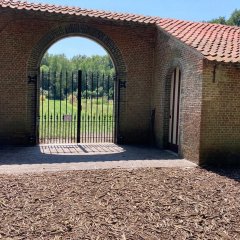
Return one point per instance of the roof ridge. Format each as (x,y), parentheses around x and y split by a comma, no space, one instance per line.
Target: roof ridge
(213,41)
(76,8)
(155,18)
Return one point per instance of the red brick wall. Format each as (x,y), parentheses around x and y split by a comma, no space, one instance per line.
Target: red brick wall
(17,98)
(209,107)
(220,127)
(137,49)
(169,54)
(13,95)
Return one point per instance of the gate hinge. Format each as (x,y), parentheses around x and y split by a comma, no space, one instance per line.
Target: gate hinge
(32,79)
(122,84)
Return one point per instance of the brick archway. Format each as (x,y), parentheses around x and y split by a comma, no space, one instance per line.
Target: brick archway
(33,66)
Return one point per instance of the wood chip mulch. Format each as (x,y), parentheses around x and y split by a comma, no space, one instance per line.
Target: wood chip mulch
(121,204)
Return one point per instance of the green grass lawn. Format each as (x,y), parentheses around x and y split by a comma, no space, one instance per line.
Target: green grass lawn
(58,121)
(94,107)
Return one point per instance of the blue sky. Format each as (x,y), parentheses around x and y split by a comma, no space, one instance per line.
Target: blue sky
(193,10)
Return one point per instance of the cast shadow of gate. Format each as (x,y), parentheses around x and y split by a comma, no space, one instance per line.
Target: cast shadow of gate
(50,154)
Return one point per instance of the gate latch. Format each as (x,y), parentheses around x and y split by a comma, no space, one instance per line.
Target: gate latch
(32,79)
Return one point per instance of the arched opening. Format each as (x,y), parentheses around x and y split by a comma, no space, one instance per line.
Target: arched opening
(33,72)
(173,135)
(77,100)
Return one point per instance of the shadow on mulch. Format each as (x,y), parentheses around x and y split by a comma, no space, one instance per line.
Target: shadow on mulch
(229,172)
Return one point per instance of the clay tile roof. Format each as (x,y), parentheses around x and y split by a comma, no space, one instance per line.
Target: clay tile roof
(215,42)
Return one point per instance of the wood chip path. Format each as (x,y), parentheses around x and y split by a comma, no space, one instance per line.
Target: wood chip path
(139,204)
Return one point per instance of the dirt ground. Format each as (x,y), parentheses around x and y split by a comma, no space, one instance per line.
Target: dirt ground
(190,203)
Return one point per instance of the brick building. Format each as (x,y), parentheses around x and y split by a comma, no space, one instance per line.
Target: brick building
(182,78)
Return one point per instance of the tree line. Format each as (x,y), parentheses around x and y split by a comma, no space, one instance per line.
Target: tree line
(233,20)
(59,77)
(60,63)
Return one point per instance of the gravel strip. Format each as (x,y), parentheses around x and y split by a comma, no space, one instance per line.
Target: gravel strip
(189,203)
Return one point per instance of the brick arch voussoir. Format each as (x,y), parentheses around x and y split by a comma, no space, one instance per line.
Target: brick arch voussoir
(68,30)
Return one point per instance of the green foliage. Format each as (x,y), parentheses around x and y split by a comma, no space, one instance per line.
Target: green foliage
(220,20)
(44,68)
(59,76)
(234,19)
(59,62)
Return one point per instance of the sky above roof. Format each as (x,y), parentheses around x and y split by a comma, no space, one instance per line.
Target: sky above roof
(179,9)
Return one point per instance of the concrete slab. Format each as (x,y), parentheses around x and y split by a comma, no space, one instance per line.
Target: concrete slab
(65,157)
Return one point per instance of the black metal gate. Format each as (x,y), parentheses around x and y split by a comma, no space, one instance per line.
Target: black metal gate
(77,107)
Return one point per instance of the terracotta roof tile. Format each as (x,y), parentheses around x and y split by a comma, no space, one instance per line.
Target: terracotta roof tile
(215,42)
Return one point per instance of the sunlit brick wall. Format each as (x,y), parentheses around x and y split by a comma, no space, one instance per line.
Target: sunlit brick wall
(169,54)
(220,127)
(18,38)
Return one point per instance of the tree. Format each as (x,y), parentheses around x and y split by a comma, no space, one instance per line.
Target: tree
(234,19)
(56,69)
(220,20)
(96,63)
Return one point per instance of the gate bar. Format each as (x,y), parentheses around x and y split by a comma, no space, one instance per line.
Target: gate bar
(79,105)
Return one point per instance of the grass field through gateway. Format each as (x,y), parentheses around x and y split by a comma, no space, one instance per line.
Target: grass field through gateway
(58,121)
